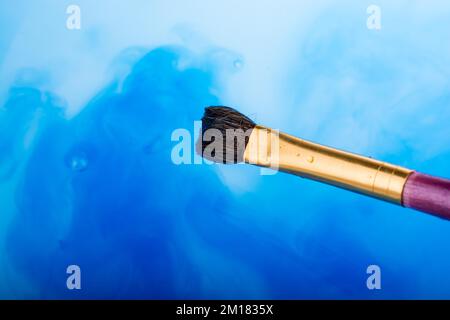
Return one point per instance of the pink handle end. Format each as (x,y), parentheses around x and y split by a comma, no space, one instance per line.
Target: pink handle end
(428,194)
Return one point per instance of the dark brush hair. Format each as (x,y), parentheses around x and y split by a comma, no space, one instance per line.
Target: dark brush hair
(235,129)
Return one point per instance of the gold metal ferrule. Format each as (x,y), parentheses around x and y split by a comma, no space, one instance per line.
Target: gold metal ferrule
(269,148)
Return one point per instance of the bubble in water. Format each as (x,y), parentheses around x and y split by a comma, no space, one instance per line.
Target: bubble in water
(78,162)
(238,64)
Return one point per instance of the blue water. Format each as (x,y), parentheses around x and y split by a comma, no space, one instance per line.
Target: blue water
(86,175)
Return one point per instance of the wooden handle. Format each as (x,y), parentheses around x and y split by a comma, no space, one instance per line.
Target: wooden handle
(428,194)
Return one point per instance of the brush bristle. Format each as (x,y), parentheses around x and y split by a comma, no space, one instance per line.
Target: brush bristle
(225,134)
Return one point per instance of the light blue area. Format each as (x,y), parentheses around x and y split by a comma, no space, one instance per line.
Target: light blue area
(98,188)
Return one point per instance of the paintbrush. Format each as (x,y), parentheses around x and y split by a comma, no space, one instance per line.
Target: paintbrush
(228,137)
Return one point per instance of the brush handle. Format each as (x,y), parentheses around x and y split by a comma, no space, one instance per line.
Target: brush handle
(428,194)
